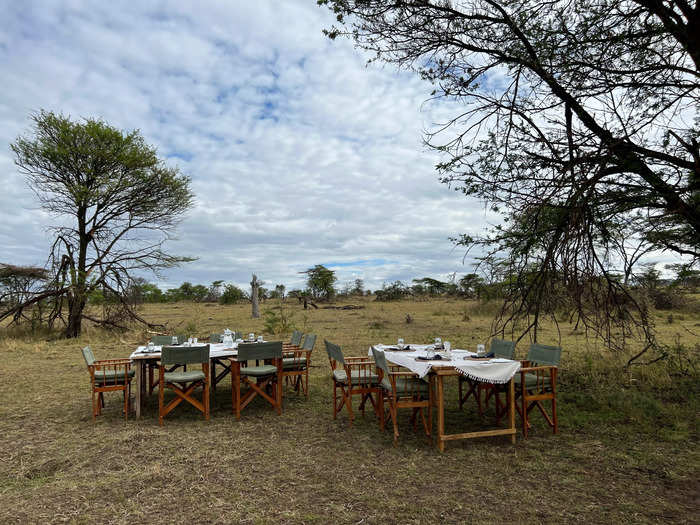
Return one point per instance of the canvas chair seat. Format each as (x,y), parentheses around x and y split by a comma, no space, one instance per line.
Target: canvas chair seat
(110,376)
(291,363)
(406,385)
(531,380)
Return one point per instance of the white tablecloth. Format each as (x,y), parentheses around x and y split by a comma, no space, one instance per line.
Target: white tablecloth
(215,350)
(488,371)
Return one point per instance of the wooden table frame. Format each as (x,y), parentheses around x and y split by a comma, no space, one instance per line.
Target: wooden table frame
(140,394)
(437,375)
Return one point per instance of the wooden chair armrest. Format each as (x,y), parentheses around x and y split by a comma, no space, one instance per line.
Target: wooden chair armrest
(110,362)
(404,374)
(537,368)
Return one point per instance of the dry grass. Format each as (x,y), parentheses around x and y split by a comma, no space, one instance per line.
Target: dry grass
(626,452)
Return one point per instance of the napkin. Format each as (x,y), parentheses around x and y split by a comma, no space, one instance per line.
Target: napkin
(437,357)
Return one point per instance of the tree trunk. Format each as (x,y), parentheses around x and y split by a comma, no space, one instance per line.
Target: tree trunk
(75,315)
(254,290)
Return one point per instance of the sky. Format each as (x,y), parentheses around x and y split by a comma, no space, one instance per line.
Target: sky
(299,152)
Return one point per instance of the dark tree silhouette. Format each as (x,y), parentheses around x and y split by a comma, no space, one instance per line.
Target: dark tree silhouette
(579,125)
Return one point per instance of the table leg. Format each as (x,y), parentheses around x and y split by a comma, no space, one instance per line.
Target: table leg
(511,408)
(139,384)
(441,414)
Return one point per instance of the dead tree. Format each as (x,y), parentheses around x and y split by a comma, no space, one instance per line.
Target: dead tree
(255,285)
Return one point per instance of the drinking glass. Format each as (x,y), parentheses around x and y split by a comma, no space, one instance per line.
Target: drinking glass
(189,341)
(448,350)
(151,346)
(399,343)
(480,350)
(260,339)
(438,341)
(251,337)
(194,340)
(174,340)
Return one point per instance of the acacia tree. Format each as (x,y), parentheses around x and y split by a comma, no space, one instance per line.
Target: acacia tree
(579,125)
(114,202)
(320,282)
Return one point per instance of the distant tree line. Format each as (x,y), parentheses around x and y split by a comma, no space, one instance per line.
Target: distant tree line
(661,293)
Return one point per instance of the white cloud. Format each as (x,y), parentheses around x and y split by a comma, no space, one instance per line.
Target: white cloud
(298,153)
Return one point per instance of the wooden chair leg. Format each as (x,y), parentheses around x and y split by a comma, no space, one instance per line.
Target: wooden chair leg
(278,387)
(236,391)
(335,400)
(394,418)
(347,399)
(126,404)
(523,413)
(95,400)
(380,403)
(161,398)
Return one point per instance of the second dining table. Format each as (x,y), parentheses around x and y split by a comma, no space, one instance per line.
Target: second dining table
(416,358)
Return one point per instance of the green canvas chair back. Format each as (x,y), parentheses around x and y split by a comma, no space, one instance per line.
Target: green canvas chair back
(503,349)
(380,361)
(259,351)
(163,340)
(309,342)
(88,356)
(334,352)
(184,355)
(296,338)
(544,355)
(215,338)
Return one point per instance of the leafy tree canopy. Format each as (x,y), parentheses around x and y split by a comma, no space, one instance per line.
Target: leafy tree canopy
(114,201)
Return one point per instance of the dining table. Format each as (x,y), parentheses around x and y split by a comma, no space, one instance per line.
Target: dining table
(417,359)
(144,355)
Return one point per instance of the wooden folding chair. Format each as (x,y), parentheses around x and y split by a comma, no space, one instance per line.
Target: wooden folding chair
(183,383)
(352,376)
(296,363)
(402,389)
(257,378)
(485,391)
(537,382)
(108,375)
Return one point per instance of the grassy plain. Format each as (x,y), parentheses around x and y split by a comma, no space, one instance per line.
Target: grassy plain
(626,452)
